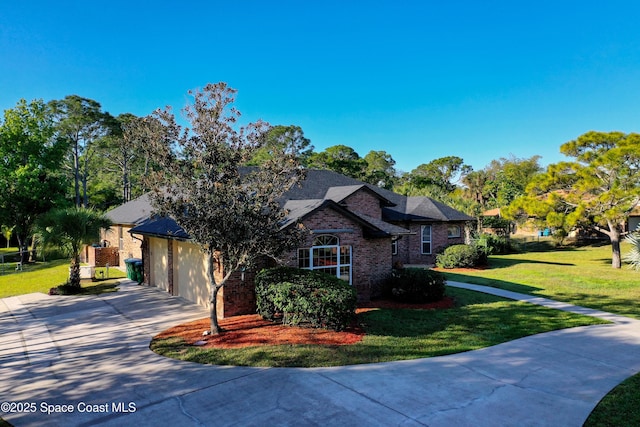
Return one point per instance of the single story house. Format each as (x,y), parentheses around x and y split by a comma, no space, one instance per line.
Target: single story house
(357,232)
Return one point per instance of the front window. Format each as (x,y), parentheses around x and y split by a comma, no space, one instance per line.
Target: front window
(120,239)
(328,256)
(453,231)
(394,247)
(426,239)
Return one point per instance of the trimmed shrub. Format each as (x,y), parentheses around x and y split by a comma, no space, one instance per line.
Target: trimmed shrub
(305,298)
(462,256)
(494,244)
(415,285)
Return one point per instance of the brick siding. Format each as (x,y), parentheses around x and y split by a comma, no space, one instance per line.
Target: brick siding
(410,247)
(100,257)
(131,247)
(363,201)
(371,258)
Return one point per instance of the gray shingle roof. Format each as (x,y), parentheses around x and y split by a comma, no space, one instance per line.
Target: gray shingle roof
(318,187)
(162,227)
(131,213)
(321,184)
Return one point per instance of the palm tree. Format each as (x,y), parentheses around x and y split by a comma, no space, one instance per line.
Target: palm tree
(72,228)
(633,257)
(7,232)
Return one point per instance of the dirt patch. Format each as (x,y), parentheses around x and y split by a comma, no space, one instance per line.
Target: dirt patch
(252,330)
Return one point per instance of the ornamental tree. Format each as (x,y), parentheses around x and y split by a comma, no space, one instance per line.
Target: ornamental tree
(232,213)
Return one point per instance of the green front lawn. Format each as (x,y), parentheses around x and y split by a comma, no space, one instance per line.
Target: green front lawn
(478,321)
(582,276)
(42,276)
(621,407)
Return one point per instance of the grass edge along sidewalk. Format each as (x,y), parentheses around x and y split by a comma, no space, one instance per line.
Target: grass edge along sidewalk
(581,276)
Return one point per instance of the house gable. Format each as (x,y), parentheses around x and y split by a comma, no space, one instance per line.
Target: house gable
(370,252)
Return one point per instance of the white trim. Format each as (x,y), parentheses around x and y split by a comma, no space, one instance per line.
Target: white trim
(338,256)
(423,241)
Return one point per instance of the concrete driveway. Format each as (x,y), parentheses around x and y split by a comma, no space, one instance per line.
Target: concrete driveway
(84,361)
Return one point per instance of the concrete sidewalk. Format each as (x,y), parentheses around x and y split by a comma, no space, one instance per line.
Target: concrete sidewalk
(90,357)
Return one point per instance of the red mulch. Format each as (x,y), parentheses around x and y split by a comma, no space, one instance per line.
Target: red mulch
(251,330)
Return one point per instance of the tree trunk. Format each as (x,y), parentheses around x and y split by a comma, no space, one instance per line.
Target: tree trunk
(74,271)
(22,248)
(614,236)
(85,178)
(34,247)
(213,302)
(616,260)
(76,173)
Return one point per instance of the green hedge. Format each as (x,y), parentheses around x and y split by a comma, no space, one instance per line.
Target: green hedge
(415,285)
(494,245)
(305,298)
(462,256)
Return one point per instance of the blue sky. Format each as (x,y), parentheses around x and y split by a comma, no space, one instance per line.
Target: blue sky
(419,79)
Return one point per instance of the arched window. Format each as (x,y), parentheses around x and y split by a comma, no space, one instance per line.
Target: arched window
(326,240)
(328,256)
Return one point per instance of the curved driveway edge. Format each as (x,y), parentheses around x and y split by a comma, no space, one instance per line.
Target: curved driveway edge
(89,356)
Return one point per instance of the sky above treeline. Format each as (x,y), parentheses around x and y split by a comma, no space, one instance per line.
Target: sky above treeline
(418,79)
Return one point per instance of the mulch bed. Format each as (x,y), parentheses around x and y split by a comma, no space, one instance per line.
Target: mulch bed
(252,330)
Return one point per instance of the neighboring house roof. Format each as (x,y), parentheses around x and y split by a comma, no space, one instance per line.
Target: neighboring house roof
(492,212)
(320,189)
(132,212)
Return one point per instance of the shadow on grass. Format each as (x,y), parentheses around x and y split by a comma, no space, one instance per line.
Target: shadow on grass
(494,283)
(608,303)
(508,262)
(535,246)
(90,287)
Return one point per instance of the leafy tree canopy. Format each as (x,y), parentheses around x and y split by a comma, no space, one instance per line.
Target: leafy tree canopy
(30,159)
(436,179)
(278,139)
(379,169)
(339,158)
(598,190)
(81,122)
